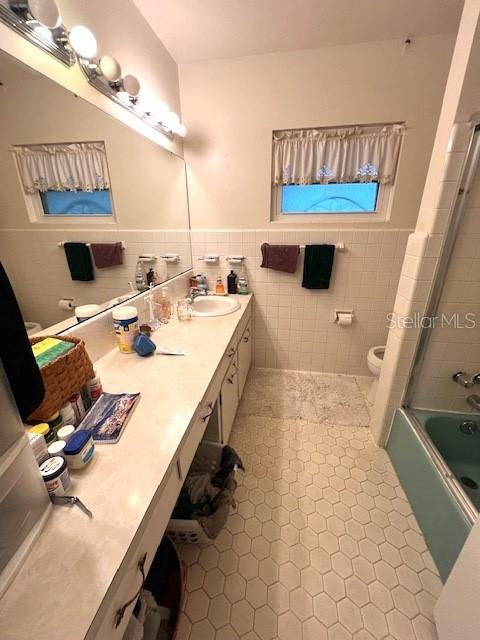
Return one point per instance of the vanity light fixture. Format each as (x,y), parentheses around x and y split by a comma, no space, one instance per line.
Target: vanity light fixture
(40,22)
(45,12)
(43,32)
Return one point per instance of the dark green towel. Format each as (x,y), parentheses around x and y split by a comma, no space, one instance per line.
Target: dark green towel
(79,261)
(317,266)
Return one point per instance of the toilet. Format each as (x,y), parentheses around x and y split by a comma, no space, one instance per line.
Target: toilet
(374,362)
(32,327)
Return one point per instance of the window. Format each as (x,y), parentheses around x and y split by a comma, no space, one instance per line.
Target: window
(68,179)
(349,197)
(334,173)
(77,203)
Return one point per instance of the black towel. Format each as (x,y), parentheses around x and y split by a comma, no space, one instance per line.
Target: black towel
(16,353)
(317,266)
(79,261)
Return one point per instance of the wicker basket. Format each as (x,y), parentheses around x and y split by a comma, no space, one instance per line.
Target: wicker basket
(63,376)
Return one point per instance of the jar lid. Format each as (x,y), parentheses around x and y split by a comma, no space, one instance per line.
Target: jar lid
(53,417)
(42,429)
(125,313)
(77,442)
(65,431)
(56,447)
(87,310)
(53,467)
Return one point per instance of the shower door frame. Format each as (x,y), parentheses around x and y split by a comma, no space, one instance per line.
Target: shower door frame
(470,168)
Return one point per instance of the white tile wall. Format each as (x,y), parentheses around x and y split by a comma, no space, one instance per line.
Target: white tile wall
(293,326)
(39,272)
(455,349)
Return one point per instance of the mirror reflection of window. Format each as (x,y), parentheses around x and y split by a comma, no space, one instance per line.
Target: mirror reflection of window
(70,179)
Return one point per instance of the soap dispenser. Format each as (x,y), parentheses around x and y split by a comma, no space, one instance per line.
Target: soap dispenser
(164,305)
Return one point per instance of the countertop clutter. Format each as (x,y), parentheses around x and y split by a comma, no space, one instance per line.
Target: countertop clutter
(79,562)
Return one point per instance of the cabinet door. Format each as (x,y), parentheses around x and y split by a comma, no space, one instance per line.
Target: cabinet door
(244,357)
(229,400)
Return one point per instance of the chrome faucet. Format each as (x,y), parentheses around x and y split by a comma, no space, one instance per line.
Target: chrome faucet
(463,379)
(196,291)
(474,401)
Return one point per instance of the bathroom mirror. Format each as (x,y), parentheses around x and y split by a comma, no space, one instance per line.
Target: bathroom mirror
(146,195)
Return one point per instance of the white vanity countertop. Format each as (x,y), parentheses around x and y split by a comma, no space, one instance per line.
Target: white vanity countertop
(60,587)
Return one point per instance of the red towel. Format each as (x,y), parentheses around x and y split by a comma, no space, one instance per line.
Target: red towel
(107,254)
(281,257)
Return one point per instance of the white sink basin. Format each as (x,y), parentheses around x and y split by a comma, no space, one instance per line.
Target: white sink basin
(210,306)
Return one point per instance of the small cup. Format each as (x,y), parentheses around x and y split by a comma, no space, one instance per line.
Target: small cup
(184,309)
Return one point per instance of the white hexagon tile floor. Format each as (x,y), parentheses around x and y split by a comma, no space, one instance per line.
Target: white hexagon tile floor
(323,544)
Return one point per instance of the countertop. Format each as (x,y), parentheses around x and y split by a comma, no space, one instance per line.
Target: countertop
(64,579)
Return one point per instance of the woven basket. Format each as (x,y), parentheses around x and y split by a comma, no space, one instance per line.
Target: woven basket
(63,376)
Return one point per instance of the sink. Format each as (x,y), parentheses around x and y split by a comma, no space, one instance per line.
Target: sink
(210,306)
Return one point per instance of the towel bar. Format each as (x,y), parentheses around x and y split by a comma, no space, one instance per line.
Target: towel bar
(61,244)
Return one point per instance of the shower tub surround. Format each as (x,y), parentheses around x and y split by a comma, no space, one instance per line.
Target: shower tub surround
(294,327)
(324,544)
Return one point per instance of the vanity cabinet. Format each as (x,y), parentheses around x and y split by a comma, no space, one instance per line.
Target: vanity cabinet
(128,580)
(229,399)
(244,357)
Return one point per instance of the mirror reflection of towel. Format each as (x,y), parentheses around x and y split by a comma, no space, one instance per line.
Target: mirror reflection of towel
(107,254)
(79,261)
(317,266)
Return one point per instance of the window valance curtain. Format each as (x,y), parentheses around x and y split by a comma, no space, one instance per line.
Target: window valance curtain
(319,156)
(63,167)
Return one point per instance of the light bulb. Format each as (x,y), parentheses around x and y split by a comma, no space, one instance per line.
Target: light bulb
(110,68)
(151,119)
(180,130)
(131,84)
(83,42)
(43,32)
(161,111)
(45,12)
(172,120)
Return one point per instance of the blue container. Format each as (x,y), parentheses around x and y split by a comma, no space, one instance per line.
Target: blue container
(79,449)
(143,345)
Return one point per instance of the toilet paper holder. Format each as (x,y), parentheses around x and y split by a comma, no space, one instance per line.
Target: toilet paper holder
(343,317)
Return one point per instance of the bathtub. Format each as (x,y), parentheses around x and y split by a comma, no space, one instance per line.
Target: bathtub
(438,463)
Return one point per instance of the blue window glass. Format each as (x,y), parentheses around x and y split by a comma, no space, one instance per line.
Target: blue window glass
(349,197)
(77,203)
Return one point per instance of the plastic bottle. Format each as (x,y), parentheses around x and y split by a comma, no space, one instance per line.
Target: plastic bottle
(220,287)
(232,280)
(95,389)
(140,276)
(125,321)
(164,305)
(151,277)
(242,286)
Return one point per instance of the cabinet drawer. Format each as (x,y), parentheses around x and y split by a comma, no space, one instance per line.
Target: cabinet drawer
(229,400)
(129,578)
(228,357)
(194,438)
(243,322)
